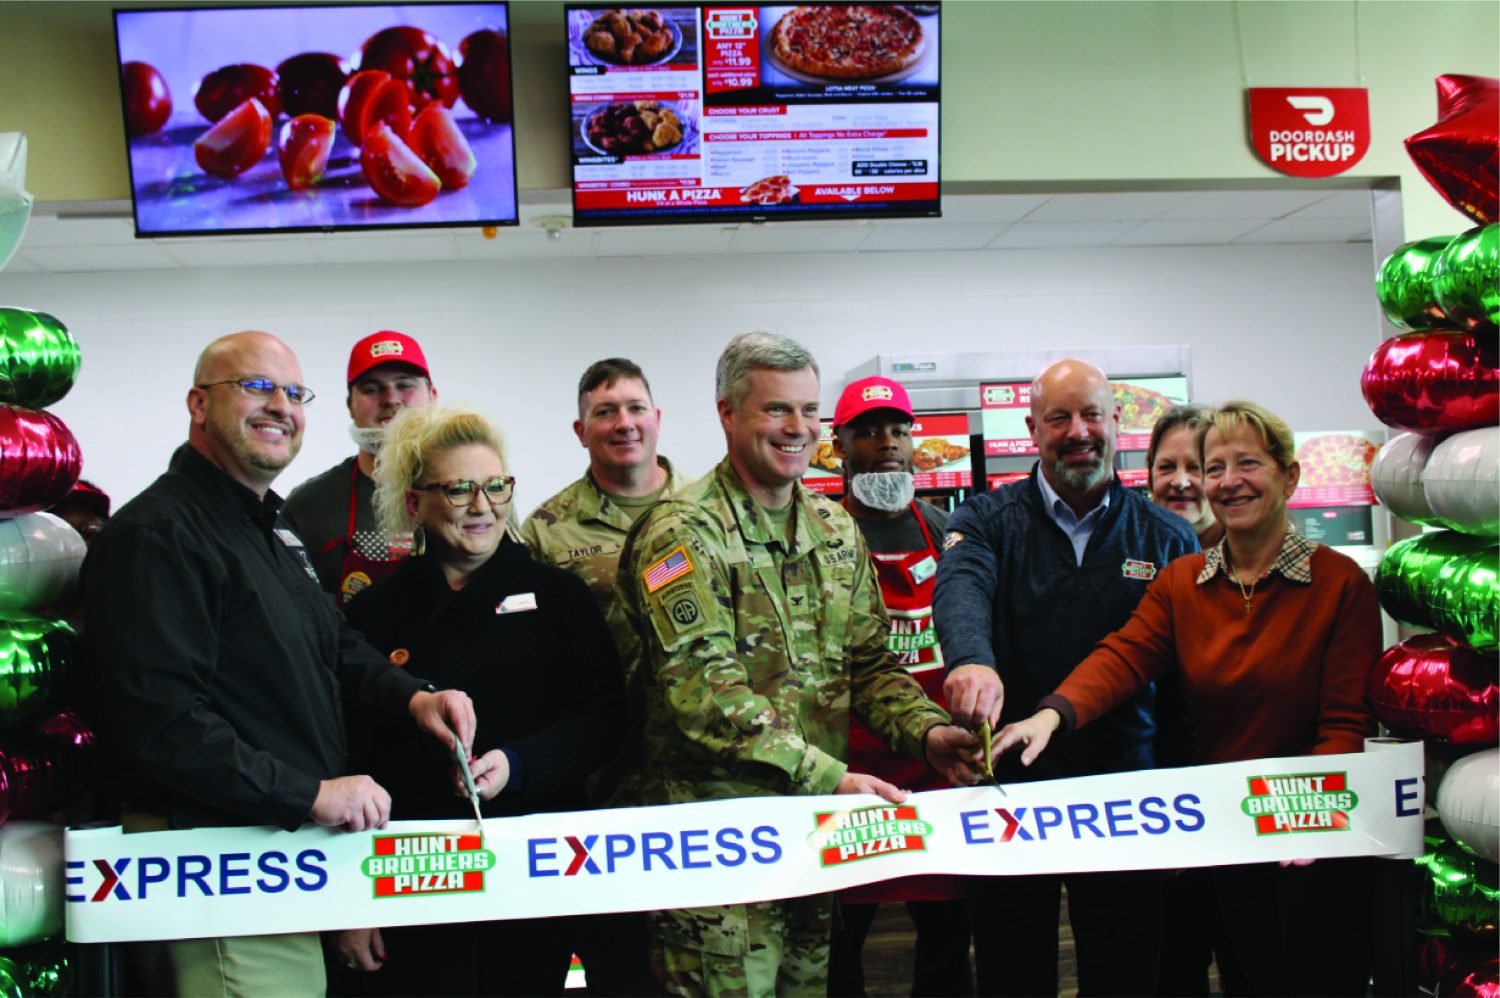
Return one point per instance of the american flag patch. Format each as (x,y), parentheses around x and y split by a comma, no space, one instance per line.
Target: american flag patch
(673,566)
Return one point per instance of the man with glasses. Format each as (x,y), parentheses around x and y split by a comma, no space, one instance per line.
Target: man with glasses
(582,529)
(333,512)
(223,665)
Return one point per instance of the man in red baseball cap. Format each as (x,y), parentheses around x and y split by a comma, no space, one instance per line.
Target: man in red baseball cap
(333,513)
(872,437)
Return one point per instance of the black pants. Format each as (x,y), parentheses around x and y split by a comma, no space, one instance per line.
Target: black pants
(1299,930)
(521,957)
(1116,919)
(616,953)
(1193,939)
(940,965)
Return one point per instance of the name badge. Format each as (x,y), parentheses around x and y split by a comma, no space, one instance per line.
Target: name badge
(288,538)
(517,603)
(923,570)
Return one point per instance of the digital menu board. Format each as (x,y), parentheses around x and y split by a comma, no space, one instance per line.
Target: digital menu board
(686,113)
(940,456)
(1335,469)
(1004,407)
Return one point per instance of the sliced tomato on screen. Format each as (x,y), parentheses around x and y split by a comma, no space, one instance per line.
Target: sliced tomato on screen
(225,89)
(236,142)
(148,102)
(416,58)
(303,149)
(373,95)
(394,172)
(435,137)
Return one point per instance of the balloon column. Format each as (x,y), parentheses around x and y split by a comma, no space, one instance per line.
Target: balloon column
(46,751)
(1439,381)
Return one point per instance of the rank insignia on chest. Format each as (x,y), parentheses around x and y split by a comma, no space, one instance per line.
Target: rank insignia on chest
(1136,569)
(674,566)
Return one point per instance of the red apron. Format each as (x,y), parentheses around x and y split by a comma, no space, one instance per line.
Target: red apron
(357,572)
(906,582)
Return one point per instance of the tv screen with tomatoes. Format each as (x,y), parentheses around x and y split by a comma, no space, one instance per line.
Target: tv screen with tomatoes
(317,118)
(684,113)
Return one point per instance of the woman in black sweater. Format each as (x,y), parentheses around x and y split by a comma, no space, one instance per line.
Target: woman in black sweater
(471,610)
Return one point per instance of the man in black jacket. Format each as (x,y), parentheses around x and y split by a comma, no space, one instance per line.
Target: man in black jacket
(224,665)
(1032,577)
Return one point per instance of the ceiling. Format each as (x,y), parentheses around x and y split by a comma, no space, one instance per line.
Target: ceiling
(99,236)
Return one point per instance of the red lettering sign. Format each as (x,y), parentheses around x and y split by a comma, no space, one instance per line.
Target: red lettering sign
(1310,131)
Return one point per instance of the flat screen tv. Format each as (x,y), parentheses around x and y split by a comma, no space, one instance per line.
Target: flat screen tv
(684,113)
(317,118)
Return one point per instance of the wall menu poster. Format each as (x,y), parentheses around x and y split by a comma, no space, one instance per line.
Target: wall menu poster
(754,111)
(1004,407)
(940,455)
(825,473)
(1335,469)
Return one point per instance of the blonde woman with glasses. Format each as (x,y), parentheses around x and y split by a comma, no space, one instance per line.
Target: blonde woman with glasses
(471,609)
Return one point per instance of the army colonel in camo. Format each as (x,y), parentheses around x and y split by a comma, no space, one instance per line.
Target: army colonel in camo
(761,626)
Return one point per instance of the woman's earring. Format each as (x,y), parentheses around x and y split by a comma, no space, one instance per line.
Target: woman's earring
(418,541)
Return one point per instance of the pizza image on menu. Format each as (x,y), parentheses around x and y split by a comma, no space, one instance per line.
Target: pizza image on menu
(848,42)
(769,190)
(1139,407)
(1336,459)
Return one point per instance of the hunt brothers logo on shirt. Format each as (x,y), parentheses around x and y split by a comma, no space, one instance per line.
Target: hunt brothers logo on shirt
(846,836)
(1307,802)
(408,865)
(913,639)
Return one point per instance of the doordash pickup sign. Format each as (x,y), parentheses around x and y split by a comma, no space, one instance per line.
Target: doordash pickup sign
(1310,131)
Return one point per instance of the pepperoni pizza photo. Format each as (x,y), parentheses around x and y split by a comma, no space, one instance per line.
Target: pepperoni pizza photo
(848,42)
(768,190)
(1332,459)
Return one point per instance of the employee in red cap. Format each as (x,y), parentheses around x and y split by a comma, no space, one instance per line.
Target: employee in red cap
(85,509)
(872,428)
(333,513)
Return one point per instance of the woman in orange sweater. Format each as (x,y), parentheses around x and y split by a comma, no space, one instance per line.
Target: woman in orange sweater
(1273,638)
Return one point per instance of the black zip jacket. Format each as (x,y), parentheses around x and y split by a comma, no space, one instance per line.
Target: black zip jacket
(218,663)
(1011,595)
(544,676)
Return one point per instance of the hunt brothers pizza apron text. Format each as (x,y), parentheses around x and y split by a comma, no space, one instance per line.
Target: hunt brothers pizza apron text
(906,582)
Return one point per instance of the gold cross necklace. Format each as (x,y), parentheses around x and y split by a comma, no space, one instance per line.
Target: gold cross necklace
(1249,594)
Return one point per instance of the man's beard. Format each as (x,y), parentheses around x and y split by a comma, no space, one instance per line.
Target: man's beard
(1084,478)
(368,438)
(890,491)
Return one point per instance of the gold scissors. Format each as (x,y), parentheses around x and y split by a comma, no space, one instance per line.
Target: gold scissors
(986,767)
(462,759)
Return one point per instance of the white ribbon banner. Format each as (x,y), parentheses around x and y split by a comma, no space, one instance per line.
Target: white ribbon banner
(250,881)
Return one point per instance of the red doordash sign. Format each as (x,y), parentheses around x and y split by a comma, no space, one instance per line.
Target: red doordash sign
(1310,131)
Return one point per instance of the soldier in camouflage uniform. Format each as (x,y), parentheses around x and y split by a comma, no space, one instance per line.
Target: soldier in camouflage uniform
(761,627)
(582,529)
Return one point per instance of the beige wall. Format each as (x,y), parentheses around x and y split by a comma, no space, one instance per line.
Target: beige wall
(1054,93)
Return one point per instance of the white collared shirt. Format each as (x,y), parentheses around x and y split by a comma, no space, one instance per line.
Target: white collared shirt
(1079,529)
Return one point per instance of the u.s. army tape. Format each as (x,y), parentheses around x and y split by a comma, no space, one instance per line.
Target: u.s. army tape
(248,881)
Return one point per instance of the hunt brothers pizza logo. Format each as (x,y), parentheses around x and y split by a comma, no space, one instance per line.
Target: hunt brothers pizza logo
(1309,802)
(845,836)
(408,865)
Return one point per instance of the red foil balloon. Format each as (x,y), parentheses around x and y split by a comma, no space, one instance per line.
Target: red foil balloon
(39,460)
(1434,688)
(47,767)
(1437,381)
(1460,155)
(1472,972)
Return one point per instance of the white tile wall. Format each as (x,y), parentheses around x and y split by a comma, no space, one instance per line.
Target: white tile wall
(1288,325)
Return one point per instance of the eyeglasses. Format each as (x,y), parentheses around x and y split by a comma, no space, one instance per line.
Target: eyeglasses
(265,388)
(461,492)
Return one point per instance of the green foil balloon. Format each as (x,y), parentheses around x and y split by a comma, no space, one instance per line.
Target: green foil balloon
(1404,285)
(39,358)
(41,970)
(35,656)
(1447,582)
(1461,894)
(1466,279)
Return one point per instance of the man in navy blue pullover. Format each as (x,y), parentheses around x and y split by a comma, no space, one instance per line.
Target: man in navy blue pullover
(1033,575)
